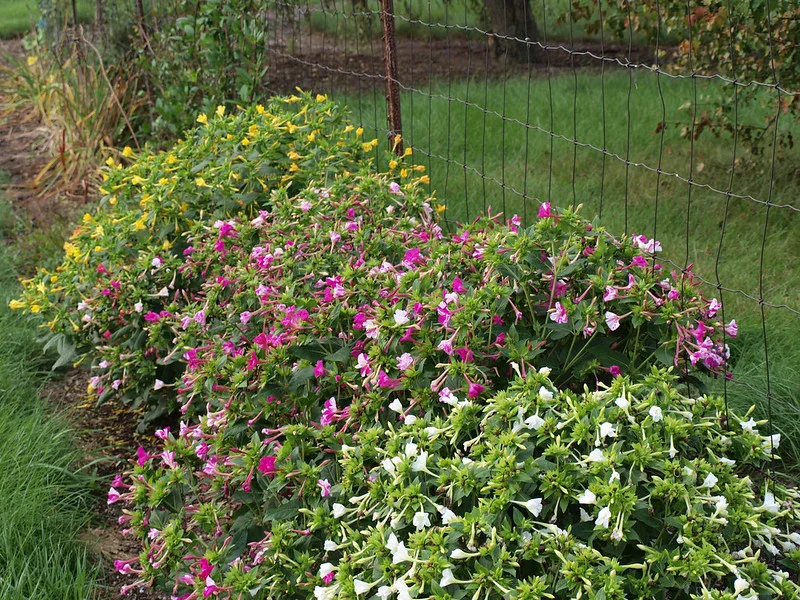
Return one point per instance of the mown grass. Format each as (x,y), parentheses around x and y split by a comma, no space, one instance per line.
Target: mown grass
(20,16)
(499,162)
(45,501)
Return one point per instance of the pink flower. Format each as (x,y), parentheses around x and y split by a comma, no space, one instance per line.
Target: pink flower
(142,456)
(245,317)
(335,237)
(162,434)
(713,307)
(168,457)
(559,315)
(673,294)
(267,465)
(151,317)
(732,329)
(446,346)
(639,261)
(612,320)
(325,487)
(394,188)
(305,206)
(615,370)
(610,293)
(544,211)
(385,381)
(458,286)
(363,365)
(405,361)
(328,412)
(113,496)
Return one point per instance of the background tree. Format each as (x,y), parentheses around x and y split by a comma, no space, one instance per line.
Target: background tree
(512,23)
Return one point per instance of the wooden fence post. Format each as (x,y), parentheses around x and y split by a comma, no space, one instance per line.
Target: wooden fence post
(392,79)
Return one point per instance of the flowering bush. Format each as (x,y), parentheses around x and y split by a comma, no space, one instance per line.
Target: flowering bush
(632,491)
(228,166)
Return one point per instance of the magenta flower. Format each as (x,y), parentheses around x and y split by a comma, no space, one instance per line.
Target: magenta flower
(446,346)
(458,286)
(319,369)
(544,211)
(559,314)
(615,370)
(639,261)
(475,390)
(325,487)
(363,365)
(387,382)
(328,412)
(713,307)
(142,456)
(151,317)
(267,465)
(162,434)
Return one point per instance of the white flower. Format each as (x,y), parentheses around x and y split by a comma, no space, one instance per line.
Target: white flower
(398,550)
(616,535)
(326,569)
(748,426)
(402,590)
(656,414)
(545,371)
(421,520)
(585,516)
(772,442)
(603,518)
(596,455)
(410,419)
(448,516)
(459,553)
(401,317)
(396,405)
(411,449)
(163,292)
(545,394)
(361,587)
(384,592)
(769,503)
(420,463)
(535,422)
(138,307)
(721,504)
(614,477)
(158,385)
(607,430)
(622,403)
(740,585)
(534,505)
(326,593)
(330,546)
(388,465)
(710,481)
(447,578)
(338,510)
(727,461)
(588,497)
(795,537)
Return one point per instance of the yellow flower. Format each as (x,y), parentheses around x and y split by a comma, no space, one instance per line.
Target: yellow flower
(292,99)
(348,129)
(99,249)
(229,137)
(202,118)
(370,145)
(359,131)
(110,162)
(166,246)
(408,151)
(201,182)
(87,218)
(253,131)
(397,139)
(293,155)
(312,136)
(440,208)
(321,98)
(32,60)
(404,173)
(163,181)
(291,127)
(136,180)
(419,168)
(127,152)
(41,287)
(112,201)
(16,305)
(424,179)
(245,142)
(220,111)
(392,164)
(294,168)
(260,109)
(35,308)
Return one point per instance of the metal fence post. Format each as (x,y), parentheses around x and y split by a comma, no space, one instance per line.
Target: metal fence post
(392,79)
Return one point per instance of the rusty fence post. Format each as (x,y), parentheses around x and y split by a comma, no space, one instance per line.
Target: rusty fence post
(392,79)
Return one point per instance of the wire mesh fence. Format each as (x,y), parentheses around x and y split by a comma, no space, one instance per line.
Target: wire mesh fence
(665,120)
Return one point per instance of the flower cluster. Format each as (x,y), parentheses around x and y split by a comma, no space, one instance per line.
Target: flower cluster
(634,490)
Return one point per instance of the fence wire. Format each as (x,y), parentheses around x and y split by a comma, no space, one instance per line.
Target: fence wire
(599,118)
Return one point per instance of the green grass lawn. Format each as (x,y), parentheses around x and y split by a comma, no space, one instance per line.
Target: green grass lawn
(20,16)
(44,501)
(494,161)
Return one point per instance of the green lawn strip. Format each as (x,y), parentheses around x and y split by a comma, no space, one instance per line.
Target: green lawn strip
(504,159)
(17,17)
(45,500)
